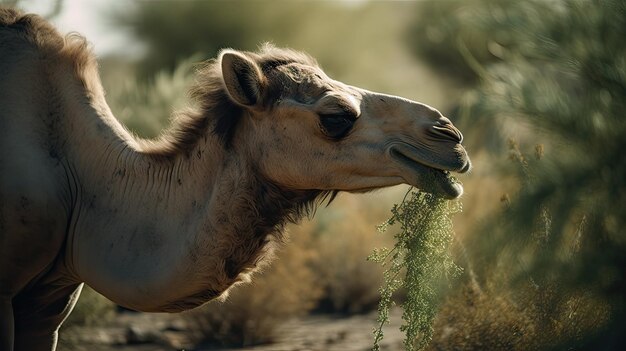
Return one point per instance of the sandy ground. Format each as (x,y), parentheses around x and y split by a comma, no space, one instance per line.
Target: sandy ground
(162,332)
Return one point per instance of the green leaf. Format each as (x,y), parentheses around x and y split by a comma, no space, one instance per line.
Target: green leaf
(418,262)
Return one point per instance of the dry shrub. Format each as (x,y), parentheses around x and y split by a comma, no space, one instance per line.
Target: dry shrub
(474,320)
(344,238)
(252,312)
(350,283)
(531,318)
(565,317)
(91,309)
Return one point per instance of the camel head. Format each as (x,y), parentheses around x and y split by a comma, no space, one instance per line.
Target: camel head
(305,130)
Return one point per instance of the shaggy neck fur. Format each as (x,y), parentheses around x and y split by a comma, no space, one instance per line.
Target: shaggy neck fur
(240,230)
(207,214)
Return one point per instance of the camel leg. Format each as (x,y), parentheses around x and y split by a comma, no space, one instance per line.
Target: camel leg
(6,324)
(32,233)
(40,313)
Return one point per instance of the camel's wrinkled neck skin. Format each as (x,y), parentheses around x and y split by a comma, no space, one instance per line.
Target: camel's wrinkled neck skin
(143,228)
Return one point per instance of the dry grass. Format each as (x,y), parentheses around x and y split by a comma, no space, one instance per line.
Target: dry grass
(253,311)
(530,318)
(345,235)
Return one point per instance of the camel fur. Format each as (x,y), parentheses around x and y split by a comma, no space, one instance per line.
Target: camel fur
(166,225)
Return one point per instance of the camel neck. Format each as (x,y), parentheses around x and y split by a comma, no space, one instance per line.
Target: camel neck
(199,220)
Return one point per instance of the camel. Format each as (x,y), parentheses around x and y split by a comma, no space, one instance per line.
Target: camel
(166,225)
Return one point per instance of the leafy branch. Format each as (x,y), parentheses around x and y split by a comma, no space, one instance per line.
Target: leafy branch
(422,257)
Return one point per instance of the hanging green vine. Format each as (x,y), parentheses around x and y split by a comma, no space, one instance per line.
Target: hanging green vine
(418,262)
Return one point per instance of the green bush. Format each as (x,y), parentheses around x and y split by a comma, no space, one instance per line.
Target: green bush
(419,262)
(146,108)
(558,86)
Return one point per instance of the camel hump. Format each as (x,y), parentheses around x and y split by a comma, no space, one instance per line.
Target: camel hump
(18,31)
(31,28)
(9,16)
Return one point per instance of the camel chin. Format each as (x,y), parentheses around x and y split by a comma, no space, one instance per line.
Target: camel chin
(433,180)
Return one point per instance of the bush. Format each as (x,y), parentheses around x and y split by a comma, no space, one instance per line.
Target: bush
(556,82)
(146,108)
(532,318)
(91,309)
(344,236)
(253,312)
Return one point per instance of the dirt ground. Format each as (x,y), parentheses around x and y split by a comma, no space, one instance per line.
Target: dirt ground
(164,332)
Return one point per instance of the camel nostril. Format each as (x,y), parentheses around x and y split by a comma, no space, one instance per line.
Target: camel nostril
(467,167)
(448,131)
(444,121)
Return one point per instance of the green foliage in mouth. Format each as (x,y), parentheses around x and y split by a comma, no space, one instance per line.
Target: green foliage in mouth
(419,262)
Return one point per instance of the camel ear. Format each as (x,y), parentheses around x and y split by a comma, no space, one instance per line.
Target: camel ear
(242,77)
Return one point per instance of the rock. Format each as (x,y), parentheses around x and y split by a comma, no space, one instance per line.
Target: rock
(141,335)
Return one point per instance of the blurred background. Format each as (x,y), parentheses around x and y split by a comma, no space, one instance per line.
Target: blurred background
(538,89)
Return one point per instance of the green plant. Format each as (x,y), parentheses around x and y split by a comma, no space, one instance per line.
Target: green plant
(559,81)
(420,254)
(145,107)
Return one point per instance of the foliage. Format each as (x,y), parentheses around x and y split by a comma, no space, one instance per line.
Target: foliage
(343,238)
(175,30)
(421,254)
(145,108)
(558,86)
(91,309)
(531,317)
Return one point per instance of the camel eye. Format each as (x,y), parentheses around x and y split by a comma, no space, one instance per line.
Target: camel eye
(338,125)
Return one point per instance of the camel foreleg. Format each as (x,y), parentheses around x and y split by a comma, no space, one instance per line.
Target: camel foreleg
(40,313)
(7,328)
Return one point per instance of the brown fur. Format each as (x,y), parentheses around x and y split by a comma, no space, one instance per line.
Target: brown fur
(73,49)
(250,245)
(269,205)
(216,109)
(148,225)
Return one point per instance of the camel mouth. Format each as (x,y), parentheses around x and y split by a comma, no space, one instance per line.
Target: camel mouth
(430,179)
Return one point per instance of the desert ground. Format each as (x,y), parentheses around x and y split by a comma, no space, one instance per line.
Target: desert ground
(166,332)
